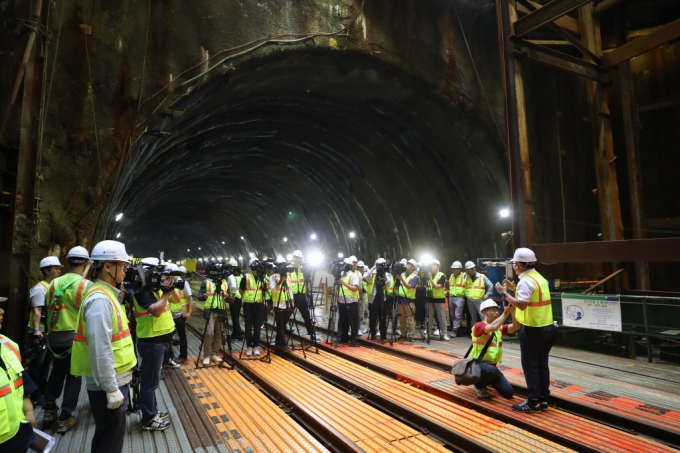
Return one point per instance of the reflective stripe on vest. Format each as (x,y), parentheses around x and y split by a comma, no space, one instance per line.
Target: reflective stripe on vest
(494,354)
(297,281)
(64,313)
(212,300)
(121,341)
(253,291)
(437,293)
(344,291)
(389,286)
(44,285)
(370,285)
(539,311)
(11,390)
(403,290)
(149,326)
(475,290)
(457,285)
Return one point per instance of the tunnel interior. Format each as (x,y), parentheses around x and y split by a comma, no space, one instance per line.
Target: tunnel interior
(330,152)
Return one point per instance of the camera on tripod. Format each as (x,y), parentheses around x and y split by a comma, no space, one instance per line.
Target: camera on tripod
(398,268)
(337,268)
(283,268)
(382,268)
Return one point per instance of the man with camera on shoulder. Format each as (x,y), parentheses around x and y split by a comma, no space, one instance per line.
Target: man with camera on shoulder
(155,328)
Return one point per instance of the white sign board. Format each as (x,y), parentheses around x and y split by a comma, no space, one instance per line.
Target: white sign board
(591,312)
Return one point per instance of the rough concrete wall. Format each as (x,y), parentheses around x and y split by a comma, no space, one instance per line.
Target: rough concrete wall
(137,48)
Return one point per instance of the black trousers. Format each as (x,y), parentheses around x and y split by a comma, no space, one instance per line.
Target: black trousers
(181,328)
(109,431)
(235,311)
(61,377)
(253,314)
(421,311)
(535,344)
(300,302)
(348,314)
(377,316)
(38,369)
(282,315)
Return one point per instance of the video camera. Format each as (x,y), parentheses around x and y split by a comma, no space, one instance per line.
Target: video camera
(150,276)
(337,268)
(382,268)
(397,268)
(283,268)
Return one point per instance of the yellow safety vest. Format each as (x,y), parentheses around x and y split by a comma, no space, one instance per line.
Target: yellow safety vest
(62,314)
(253,291)
(539,311)
(268,290)
(296,280)
(121,341)
(44,285)
(148,326)
(437,293)
(389,286)
(211,299)
(457,285)
(278,296)
(475,290)
(494,354)
(406,292)
(370,284)
(11,390)
(347,278)
(183,300)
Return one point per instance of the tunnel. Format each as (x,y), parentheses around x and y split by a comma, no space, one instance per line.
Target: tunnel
(322,151)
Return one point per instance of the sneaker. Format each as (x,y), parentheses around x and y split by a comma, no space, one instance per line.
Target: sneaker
(181,360)
(215,358)
(65,425)
(377,334)
(409,338)
(206,361)
(273,342)
(453,334)
(249,352)
(284,348)
(482,393)
(163,415)
(172,364)
(425,332)
(446,338)
(49,417)
(436,332)
(256,351)
(543,403)
(401,337)
(157,424)
(397,332)
(526,406)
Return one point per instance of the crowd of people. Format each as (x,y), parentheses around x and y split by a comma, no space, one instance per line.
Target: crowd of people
(93,329)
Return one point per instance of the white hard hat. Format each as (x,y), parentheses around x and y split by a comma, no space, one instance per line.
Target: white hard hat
(456,265)
(233,262)
(524,255)
(170,267)
(150,261)
(360,264)
(110,251)
(252,260)
(183,269)
(298,253)
(414,262)
(403,261)
(78,252)
(436,262)
(50,261)
(469,265)
(380,261)
(487,304)
(352,258)
(280,261)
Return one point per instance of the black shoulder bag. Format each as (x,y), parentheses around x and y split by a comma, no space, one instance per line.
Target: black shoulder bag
(468,371)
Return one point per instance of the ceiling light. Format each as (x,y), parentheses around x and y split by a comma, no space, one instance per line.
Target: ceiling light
(352,234)
(119,216)
(118,235)
(340,255)
(505,212)
(313,237)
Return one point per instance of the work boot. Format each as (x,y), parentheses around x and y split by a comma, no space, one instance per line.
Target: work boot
(50,416)
(65,425)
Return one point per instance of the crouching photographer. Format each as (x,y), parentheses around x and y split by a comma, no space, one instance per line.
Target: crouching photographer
(155,327)
(493,325)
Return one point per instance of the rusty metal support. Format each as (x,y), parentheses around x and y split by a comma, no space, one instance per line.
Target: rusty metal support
(516,130)
(545,15)
(654,39)
(17,250)
(631,250)
(605,159)
(632,140)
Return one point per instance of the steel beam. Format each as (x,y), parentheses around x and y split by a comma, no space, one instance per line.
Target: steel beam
(632,250)
(604,6)
(566,22)
(558,60)
(519,164)
(658,37)
(670,101)
(543,16)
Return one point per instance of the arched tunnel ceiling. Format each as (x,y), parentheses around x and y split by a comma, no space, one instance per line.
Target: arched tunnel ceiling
(304,142)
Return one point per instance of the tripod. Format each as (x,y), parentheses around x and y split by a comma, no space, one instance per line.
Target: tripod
(218,300)
(337,289)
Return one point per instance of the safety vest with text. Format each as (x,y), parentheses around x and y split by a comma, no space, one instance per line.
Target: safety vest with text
(121,341)
(212,299)
(409,293)
(475,289)
(457,285)
(344,291)
(494,354)
(253,291)
(44,285)
(539,311)
(11,390)
(149,326)
(437,293)
(64,298)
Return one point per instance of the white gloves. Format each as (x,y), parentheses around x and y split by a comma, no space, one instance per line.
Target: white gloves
(115,399)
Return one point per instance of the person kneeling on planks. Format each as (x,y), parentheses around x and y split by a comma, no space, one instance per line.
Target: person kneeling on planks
(493,324)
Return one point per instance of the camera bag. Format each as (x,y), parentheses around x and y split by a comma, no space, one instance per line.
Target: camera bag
(468,371)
